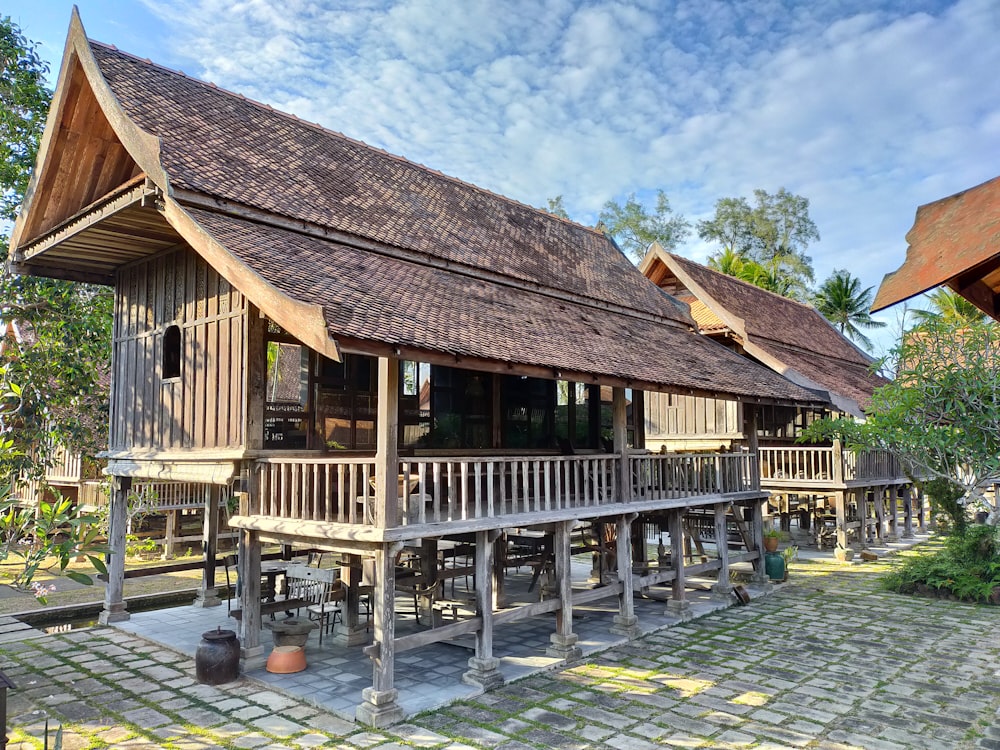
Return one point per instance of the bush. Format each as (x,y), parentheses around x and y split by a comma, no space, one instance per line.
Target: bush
(966,568)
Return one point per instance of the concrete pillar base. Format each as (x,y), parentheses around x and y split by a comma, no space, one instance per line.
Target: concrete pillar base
(114,613)
(722,591)
(379,709)
(564,647)
(346,636)
(626,626)
(206,598)
(484,673)
(679,608)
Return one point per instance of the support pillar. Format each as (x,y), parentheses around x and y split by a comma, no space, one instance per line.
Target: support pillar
(484,667)
(878,498)
(208,596)
(248,554)
(893,535)
(722,589)
(114,594)
(564,640)
(862,500)
(678,606)
(760,576)
(625,622)
(840,508)
(350,631)
(921,510)
(908,491)
(380,707)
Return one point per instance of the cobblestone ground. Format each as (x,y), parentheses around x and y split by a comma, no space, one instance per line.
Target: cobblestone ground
(828,661)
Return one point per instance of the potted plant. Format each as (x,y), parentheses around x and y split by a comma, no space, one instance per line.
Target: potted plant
(771,539)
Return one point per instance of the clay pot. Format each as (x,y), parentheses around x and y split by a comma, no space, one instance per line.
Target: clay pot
(771,543)
(217,660)
(286,660)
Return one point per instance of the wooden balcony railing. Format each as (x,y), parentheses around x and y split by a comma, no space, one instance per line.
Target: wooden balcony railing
(809,466)
(436,490)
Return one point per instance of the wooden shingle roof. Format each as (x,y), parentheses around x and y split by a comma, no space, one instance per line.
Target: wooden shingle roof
(792,338)
(350,248)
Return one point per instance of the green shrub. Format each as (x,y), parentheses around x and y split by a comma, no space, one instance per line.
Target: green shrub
(967,567)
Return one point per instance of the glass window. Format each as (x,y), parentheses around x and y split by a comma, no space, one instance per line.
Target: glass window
(286,416)
(527,409)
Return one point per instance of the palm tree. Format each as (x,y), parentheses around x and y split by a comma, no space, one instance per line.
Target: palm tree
(949,307)
(841,300)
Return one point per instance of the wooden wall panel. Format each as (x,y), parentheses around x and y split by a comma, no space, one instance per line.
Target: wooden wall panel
(671,416)
(203,409)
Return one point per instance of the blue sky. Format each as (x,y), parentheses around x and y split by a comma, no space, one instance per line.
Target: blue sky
(867,109)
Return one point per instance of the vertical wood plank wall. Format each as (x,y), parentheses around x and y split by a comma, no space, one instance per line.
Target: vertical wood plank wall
(203,408)
(678,416)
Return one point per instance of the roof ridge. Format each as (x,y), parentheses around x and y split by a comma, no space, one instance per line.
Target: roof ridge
(747,283)
(350,139)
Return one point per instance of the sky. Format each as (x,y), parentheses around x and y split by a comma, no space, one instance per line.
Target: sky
(868,108)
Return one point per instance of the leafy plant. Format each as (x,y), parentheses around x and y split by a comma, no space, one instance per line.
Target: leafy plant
(46,538)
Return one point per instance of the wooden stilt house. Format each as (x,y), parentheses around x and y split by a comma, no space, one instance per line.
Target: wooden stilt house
(372,354)
(837,494)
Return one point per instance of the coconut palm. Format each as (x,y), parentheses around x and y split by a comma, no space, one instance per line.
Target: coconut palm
(843,302)
(949,307)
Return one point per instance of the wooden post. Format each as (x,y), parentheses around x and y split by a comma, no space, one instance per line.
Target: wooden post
(862,499)
(386,451)
(350,631)
(757,534)
(620,423)
(921,510)
(908,491)
(678,604)
(838,463)
(256,377)
(625,622)
(564,640)
(207,594)
(169,534)
(893,513)
(249,572)
(114,594)
(484,667)
(380,707)
(722,588)
(840,509)
(878,496)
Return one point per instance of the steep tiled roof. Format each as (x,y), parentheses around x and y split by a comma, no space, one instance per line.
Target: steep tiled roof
(466,316)
(793,333)
(230,147)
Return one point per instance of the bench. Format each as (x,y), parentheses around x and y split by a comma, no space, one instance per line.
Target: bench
(269,608)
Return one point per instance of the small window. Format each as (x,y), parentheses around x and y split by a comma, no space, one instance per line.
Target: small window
(172,352)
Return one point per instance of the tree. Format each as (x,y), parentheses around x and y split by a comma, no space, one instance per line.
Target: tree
(556,208)
(24,103)
(950,307)
(634,228)
(773,233)
(843,302)
(941,414)
(67,326)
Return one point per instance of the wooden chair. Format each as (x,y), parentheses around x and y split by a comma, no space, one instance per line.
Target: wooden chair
(315,587)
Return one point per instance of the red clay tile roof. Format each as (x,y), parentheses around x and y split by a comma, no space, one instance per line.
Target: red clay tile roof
(792,332)
(948,237)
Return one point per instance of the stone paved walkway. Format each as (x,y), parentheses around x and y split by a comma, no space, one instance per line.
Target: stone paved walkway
(828,661)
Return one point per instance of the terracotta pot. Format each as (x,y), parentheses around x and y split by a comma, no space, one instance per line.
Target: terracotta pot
(771,543)
(286,660)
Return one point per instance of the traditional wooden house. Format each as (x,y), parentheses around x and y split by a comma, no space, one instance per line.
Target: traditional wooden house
(832,490)
(374,355)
